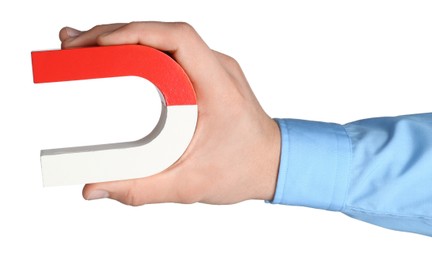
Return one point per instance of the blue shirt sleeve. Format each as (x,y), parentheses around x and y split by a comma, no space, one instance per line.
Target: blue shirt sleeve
(377,170)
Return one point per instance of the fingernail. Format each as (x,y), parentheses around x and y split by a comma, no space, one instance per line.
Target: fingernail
(72,33)
(98,194)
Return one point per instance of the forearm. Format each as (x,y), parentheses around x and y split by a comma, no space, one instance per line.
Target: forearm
(377,170)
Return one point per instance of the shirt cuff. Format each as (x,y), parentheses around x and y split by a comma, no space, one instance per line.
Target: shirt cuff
(314,164)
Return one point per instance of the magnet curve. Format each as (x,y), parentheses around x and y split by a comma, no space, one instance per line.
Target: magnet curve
(147,156)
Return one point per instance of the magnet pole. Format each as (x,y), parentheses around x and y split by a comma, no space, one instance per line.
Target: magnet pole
(108,162)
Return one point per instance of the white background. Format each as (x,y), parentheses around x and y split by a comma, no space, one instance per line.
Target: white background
(334,61)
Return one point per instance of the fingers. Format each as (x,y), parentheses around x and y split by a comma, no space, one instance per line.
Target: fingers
(179,39)
(72,38)
(67,33)
(169,37)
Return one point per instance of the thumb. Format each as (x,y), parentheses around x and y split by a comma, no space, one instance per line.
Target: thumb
(153,189)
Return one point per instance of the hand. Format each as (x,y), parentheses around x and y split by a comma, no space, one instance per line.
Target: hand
(234,154)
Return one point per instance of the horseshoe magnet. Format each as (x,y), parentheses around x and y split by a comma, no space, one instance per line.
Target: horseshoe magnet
(147,156)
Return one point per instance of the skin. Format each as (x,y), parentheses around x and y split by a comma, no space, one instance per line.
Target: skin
(234,154)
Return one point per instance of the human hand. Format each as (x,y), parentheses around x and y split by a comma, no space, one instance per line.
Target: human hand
(234,154)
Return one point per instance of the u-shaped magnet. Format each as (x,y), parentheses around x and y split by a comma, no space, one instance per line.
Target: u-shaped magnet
(147,156)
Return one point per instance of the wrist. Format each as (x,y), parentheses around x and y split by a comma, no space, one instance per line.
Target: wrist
(271,159)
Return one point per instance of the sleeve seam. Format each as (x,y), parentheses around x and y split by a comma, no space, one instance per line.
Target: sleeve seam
(285,126)
(349,209)
(349,173)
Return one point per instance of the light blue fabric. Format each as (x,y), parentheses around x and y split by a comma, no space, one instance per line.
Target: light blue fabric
(377,170)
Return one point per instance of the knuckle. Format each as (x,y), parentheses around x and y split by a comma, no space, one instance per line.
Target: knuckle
(100,39)
(232,65)
(187,197)
(232,62)
(97,27)
(131,197)
(183,25)
(133,24)
(184,28)
(190,191)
